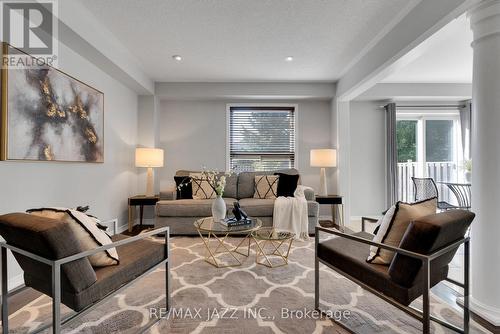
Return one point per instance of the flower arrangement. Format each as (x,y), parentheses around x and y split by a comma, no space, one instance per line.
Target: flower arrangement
(216,179)
(468,165)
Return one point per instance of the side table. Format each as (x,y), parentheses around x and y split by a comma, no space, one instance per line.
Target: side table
(337,205)
(141,201)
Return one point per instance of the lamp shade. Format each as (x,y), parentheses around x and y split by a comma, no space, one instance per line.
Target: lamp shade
(324,158)
(148,157)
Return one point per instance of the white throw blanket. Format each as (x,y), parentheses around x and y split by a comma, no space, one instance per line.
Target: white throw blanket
(290,214)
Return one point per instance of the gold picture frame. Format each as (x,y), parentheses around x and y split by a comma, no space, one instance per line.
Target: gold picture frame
(66,115)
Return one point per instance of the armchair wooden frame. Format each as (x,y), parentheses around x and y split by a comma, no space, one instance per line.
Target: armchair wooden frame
(421,315)
(57,322)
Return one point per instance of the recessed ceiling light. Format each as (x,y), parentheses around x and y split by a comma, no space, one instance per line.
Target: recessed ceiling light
(289,58)
(177,57)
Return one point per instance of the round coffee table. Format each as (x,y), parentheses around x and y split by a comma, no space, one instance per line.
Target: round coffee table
(280,243)
(219,233)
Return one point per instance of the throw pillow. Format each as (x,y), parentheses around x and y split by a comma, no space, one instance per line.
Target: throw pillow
(394,224)
(287,184)
(201,187)
(265,186)
(184,187)
(86,231)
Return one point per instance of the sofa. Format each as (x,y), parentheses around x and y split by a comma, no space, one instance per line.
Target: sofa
(180,214)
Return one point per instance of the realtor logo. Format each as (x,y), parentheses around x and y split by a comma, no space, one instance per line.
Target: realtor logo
(30,26)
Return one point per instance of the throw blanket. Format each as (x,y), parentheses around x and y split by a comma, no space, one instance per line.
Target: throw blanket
(290,214)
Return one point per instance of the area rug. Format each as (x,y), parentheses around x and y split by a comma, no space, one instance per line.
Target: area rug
(250,298)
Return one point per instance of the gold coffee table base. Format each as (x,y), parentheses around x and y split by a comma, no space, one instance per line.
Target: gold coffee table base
(268,236)
(222,248)
(219,233)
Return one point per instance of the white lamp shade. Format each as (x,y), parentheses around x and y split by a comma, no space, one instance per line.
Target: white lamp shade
(148,157)
(324,158)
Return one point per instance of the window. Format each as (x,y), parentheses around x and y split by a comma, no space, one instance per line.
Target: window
(261,138)
(428,146)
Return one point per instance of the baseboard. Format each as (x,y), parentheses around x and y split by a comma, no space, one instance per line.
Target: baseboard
(124,227)
(489,314)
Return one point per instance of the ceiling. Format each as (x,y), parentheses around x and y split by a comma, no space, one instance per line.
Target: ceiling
(245,40)
(446,57)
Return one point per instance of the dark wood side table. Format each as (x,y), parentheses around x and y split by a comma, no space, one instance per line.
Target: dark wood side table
(337,205)
(141,201)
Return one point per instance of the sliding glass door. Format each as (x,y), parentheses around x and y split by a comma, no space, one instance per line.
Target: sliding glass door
(428,145)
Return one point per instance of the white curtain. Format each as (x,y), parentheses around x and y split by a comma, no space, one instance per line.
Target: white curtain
(392,154)
(465,126)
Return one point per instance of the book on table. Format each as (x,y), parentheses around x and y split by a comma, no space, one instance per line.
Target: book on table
(230,222)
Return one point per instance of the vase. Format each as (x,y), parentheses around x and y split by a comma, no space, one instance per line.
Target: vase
(218,209)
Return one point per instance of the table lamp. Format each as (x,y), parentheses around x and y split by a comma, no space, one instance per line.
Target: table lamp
(150,158)
(323,158)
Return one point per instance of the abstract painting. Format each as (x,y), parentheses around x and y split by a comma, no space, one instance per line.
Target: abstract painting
(48,115)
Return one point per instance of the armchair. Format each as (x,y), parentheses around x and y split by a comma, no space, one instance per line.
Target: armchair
(420,262)
(54,264)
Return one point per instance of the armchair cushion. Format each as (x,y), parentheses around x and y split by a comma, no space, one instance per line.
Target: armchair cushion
(391,231)
(349,257)
(424,236)
(135,259)
(89,235)
(51,239)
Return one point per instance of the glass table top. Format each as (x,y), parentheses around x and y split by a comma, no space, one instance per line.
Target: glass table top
(208,225)
(270,233)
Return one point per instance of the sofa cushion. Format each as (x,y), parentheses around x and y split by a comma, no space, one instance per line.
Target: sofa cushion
(287,184)
(183,187)
(266,186)
(350,257)
(189,207)
(231,182)
(51,239)
(256,207)
(135,259)
(246,181)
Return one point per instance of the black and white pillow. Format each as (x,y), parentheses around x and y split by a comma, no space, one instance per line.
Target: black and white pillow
(184,187)
(266,186)
(201,187)
(87,232)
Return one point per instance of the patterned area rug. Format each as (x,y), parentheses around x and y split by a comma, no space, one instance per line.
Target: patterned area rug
(247,299)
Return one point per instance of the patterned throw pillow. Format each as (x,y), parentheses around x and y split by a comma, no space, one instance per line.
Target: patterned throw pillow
(266,186)
(86,230)
(201,188)
(393,227)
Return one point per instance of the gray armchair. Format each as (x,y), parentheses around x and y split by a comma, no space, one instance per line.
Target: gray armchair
(420,262)
(54,264)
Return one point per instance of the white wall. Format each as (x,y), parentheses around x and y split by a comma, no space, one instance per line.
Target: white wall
(367,159)
(193,134)
(105,187)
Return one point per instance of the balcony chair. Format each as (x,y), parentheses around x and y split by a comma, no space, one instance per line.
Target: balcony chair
(54,264)
(426,188)
(421,261)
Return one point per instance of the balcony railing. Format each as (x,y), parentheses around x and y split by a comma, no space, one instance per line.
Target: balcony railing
(439,171)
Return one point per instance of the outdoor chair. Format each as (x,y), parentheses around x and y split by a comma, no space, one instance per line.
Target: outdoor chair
(426,188)
(54,264)
(420,262)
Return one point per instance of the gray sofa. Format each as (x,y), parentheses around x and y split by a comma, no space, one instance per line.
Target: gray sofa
(180,215)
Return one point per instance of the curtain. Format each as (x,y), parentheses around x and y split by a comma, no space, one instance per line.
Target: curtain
(465,125)
(392,154)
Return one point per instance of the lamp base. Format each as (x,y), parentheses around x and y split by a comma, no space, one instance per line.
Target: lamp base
(322,183)
(149,183)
